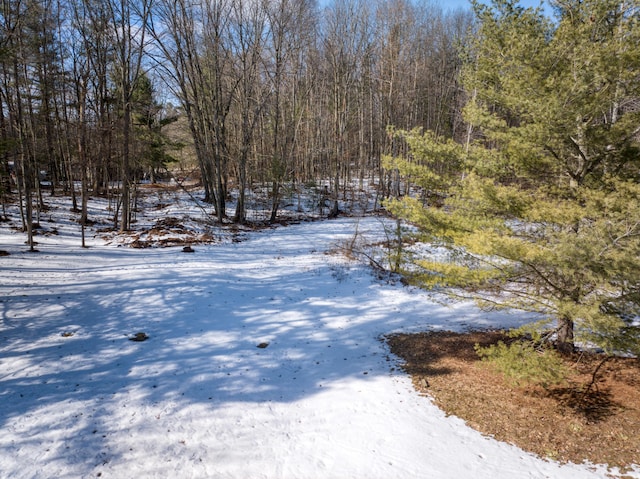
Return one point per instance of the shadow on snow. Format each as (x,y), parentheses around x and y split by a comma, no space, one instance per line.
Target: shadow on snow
(66,356)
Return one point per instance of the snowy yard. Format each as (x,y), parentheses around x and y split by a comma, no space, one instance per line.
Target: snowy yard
(199,399)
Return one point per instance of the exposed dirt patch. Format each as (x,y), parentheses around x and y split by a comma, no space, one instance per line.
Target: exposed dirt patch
(564,424)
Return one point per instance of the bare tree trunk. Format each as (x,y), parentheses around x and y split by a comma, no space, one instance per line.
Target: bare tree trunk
(81,86)
(125,221)
(194,41)
(129,20)
(25,134)
(28,201)
(249,26)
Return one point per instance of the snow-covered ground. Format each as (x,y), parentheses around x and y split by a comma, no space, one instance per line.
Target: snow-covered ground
(199,398)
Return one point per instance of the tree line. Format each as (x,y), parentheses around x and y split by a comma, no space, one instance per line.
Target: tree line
(273,92)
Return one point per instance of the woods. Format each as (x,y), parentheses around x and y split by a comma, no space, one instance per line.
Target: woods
(273,93)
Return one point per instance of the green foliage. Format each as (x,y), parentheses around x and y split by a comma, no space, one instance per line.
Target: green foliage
(527,357)
(432,165)
(152,144)
(145,109)
(556,97)
(523,362)
(541,209)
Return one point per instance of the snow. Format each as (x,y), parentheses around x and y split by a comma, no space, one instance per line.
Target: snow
(199,398)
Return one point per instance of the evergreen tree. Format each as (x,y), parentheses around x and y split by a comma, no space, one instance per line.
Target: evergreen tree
(544,211)
(151,145)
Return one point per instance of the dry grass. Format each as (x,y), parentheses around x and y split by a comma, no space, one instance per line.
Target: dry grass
(563,423)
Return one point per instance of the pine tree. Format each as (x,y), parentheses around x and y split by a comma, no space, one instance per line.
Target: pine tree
(544,212)
(151,145)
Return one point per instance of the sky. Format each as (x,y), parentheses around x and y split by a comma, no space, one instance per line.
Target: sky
(453,4)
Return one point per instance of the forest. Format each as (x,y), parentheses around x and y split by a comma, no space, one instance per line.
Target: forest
(98,95)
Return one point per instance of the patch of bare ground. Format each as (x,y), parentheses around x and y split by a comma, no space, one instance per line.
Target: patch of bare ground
(561,423)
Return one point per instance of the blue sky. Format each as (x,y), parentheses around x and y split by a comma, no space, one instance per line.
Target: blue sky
(467,4)
(454,4)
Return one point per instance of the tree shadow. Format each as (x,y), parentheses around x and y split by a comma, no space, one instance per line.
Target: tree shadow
(420,351)
(67,359)
(594,405)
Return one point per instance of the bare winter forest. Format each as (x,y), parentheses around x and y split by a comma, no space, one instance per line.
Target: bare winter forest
(97,96)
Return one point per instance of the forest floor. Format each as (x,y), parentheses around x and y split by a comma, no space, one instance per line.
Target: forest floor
(564,423)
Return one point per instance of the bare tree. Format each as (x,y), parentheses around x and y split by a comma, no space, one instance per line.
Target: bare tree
(128,27)
(348,39)
(273,90)
(21,54)
(247,35)
(193,37)
(291,28)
